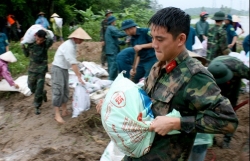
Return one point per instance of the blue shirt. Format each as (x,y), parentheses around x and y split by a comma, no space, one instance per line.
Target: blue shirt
(246,44)
(111,40)
(142,37)
(230,33)
(42,21)
(3,43)
(191,39)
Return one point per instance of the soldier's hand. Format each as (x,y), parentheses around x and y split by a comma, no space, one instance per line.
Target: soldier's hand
(230,45)
(132,72)
(99,106)
(164,124)
(137,48)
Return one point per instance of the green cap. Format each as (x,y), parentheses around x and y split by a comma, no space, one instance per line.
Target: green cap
(220,72)
(219,16)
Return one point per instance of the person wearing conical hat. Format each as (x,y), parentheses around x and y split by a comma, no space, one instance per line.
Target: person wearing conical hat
(56,22)
(5,58)
(38,66)
(236,24)
(64,59)
(42,20)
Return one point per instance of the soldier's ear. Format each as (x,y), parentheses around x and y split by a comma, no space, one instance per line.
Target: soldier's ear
(181,38)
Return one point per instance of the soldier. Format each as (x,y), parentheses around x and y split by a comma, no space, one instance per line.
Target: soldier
(182,83)
(228,72)
(231,34)
(141,41)
(217,38)
(64,59)
(104,26)
(38,55)
(202,26)
(112,46)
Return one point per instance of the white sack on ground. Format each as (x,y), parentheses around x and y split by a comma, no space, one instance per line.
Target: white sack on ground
(94,69)
(81,100)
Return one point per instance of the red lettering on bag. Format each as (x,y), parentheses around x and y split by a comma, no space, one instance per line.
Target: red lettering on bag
(118,99)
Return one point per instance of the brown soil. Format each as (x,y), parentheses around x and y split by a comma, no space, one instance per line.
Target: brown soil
(29,137)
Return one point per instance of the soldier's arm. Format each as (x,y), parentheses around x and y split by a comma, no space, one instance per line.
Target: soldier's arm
(223,43)
(117,33)
(214,112)
(25,48)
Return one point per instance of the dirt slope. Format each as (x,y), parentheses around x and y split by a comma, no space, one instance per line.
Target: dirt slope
(25,136)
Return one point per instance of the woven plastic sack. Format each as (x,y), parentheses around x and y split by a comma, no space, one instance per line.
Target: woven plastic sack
(29,36)
(126,116)
(81,100)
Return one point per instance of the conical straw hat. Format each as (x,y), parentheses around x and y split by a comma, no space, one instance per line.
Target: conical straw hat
(8,57)
(55,15)
(80,34)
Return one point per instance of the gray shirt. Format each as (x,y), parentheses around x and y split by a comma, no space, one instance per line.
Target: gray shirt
(65,55)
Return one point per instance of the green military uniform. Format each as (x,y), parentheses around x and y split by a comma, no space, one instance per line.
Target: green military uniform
(38,67)
(217,39)
(190,89)
(230,86)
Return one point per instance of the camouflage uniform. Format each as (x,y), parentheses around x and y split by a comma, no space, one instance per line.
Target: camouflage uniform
(104,26)
(217,42)
(38,67)
(231,88)
(190,89)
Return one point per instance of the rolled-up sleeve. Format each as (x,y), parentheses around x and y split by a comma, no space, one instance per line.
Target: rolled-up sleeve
(214,112)
(70,54)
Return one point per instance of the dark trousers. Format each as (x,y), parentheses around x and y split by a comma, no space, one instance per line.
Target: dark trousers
(103,56)
(36,85)
(13,32)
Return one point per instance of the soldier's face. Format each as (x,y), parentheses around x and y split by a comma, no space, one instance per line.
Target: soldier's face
(166,47)
(39,40)
(131,31)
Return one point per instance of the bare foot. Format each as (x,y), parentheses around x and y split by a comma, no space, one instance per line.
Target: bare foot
(65,113)
(59,119)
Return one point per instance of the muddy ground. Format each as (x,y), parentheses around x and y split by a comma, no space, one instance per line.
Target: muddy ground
(25,136)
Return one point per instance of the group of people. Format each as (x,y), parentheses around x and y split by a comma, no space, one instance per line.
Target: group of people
(12,28)
(173,78)
(205,97)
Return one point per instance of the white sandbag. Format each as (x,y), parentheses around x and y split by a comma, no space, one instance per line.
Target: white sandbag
(112,153)
(23,85)
(126,116)
(81,100)
(197,45)
(95,69)
(104,83)
(59,21)
(4,86)
(51,34)
(92,87)
(8,57)
(29,36)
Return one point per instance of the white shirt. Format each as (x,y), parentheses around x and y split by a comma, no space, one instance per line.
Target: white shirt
(65,55)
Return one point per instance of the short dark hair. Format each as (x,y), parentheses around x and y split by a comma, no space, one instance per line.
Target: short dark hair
(218,21)
(41,33)
(174,20)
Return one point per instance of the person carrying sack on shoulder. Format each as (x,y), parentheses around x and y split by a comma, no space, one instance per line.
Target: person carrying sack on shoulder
(57,26)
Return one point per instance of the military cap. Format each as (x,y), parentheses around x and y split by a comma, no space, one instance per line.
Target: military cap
(220,72)
(110,19)
(219,16)
(108,11)
(204,14)
(229,17)
(127,24)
